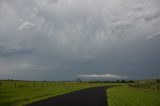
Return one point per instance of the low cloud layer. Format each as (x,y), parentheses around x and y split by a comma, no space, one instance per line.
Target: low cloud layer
(105,76)
(43,39)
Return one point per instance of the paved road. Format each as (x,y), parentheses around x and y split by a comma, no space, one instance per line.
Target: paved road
(87,97)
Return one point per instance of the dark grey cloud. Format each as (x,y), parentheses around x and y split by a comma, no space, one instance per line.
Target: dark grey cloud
(43,39)
(4,51)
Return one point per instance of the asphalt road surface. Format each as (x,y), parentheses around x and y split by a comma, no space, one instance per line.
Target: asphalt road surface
(87,97)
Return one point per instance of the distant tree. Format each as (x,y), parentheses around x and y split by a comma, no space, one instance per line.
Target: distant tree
(79,80)
(123,81)
(158,80)
(117,81)
(130,81)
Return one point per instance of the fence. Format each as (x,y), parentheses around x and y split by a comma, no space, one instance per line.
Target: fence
(153,86)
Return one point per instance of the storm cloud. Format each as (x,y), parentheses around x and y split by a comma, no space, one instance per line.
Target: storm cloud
(61,39)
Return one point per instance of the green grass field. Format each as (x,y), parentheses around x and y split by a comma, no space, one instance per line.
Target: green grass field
(20,93)
(128,96)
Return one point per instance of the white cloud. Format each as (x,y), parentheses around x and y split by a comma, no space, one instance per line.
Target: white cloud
(26,25)
(109,76)
(154,35)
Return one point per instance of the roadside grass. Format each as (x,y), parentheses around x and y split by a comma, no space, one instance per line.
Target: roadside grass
(128,96)
(20,93)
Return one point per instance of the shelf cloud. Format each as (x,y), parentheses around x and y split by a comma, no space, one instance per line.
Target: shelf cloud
(108,76)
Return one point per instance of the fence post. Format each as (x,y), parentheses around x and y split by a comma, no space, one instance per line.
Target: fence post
(15,85)
(26,84)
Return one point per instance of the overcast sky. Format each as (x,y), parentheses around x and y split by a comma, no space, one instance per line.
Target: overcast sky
(65,39)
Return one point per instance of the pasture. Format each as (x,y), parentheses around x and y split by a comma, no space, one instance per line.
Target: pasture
(131,96)
(18,93)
